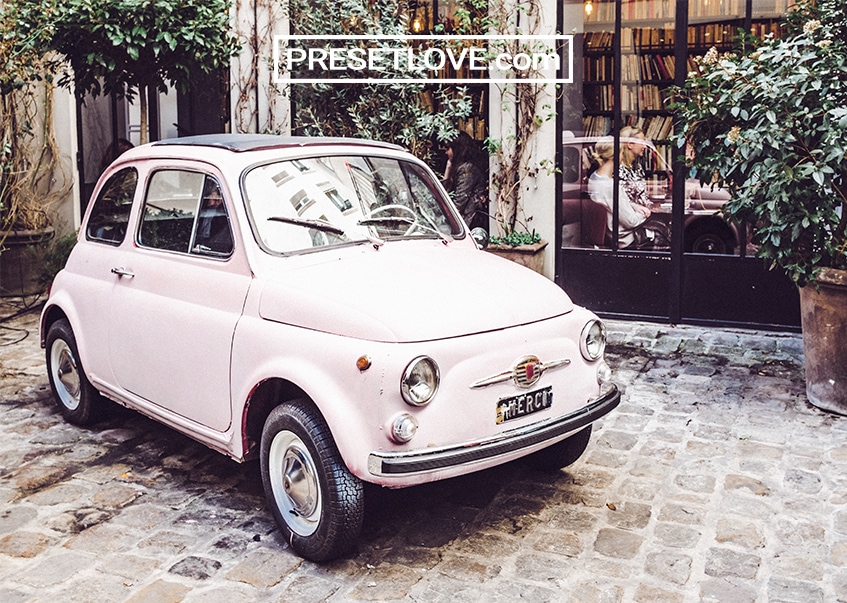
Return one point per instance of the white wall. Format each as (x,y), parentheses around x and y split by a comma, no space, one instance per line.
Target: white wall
(257,104)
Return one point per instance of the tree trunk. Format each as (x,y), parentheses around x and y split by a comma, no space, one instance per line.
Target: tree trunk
(142,105)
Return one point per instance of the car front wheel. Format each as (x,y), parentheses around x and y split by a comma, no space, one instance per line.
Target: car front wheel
(315,500)
(564,453)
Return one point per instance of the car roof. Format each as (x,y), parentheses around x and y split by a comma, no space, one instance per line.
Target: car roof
(255,142)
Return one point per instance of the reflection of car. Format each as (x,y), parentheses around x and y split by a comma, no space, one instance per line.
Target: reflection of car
(584,222)
(335,320)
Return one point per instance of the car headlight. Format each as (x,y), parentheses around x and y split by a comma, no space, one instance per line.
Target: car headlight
(592,342)
(420,381)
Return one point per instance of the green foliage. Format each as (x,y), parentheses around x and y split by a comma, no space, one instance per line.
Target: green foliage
(51,258)
(123,45)
(515,239)
(401,112)
(768,122)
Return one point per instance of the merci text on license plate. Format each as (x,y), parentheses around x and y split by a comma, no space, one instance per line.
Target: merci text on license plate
(525,404)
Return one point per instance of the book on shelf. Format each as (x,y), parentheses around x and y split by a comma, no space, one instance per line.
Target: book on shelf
(716,8)
(647,38)
(634,67)
(712,34)
(598,40)
(657,128)
(596,125)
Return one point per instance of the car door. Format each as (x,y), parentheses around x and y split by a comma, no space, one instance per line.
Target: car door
(180,293)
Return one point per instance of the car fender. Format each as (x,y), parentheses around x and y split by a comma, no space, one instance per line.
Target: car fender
(323,366)
(96,365)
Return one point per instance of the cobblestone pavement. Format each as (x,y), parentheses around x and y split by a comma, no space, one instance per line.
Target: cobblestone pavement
(714,481)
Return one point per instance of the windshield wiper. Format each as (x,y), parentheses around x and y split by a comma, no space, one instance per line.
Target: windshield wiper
(323,226)
(316,224)
(405,220)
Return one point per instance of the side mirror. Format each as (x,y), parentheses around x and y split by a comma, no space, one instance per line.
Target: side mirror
(480,236)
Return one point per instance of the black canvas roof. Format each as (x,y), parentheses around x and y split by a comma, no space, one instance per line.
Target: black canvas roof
(254,142)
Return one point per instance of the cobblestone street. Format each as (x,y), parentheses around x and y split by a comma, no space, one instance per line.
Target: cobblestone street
(714,481)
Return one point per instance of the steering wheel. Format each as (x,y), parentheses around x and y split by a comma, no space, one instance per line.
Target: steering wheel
(413,223)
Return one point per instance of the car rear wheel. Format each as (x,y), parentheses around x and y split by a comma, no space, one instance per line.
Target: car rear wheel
(315,500)
(77,399)
(563,453)
(709,238)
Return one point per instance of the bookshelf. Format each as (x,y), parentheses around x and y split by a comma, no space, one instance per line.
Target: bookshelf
(636,90)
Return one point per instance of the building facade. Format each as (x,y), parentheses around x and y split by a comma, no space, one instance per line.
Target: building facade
(627,55)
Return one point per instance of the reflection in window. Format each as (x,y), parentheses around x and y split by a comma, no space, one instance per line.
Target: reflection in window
(345,199)
(185,212)
(110,213)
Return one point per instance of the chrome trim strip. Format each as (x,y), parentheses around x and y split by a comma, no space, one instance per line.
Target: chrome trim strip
(386,464)
(510,374)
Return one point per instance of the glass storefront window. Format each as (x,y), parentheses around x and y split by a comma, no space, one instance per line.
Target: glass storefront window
(629,61)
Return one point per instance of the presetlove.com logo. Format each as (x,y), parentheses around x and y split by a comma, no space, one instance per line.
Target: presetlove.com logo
(423,59)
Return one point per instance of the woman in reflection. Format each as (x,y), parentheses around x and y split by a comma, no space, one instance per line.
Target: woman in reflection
(466,180)
(633,143)
(635,229)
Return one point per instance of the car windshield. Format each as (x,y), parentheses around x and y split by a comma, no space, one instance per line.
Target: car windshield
(314,202)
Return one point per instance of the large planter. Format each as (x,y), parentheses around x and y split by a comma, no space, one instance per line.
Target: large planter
(823,311)
(19,267)
(531,256)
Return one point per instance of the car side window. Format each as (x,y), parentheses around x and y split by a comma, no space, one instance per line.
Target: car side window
(110,213)
(185,212)
(213,235)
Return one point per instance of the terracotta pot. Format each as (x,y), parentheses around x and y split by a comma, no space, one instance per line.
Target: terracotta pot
(18,269)
(531,256)
(824,318)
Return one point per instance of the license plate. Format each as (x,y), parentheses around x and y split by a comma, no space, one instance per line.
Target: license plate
(524,404)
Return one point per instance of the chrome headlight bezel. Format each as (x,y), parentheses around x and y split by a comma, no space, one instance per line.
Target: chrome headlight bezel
(592,340)
(420,381)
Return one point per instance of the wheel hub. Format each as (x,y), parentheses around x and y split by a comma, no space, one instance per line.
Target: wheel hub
(66,374)
(294,481)
(299,483)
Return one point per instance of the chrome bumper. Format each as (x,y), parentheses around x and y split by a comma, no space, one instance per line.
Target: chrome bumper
(431,459)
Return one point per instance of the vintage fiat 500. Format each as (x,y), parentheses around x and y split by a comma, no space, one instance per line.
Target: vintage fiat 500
(317,304)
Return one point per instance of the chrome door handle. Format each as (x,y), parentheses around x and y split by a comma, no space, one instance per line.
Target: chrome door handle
(123,272)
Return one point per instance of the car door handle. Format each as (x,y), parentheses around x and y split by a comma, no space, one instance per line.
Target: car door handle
(123,272)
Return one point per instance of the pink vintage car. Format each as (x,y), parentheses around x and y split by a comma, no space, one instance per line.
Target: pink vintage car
(317,304)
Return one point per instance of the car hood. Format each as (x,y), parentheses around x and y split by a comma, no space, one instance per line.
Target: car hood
(408,291)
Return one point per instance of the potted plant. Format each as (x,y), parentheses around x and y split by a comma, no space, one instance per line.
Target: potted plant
(768,122)
(524,110)
(27,159)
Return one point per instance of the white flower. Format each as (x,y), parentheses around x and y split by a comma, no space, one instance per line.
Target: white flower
(711,57)
(810,26)
(824,44)
(734,134)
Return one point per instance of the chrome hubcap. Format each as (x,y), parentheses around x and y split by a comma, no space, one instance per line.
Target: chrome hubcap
(295,483)
(65,374)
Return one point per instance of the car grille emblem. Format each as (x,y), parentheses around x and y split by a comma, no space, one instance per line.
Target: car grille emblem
(525,372)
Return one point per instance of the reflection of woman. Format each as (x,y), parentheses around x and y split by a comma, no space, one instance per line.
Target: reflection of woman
(631,172)
(466,180)
(601,188)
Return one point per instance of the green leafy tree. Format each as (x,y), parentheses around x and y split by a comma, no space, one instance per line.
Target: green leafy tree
(769,122)
(400,112)
(126,46)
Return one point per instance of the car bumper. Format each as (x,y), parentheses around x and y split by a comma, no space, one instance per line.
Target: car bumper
(386,464)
